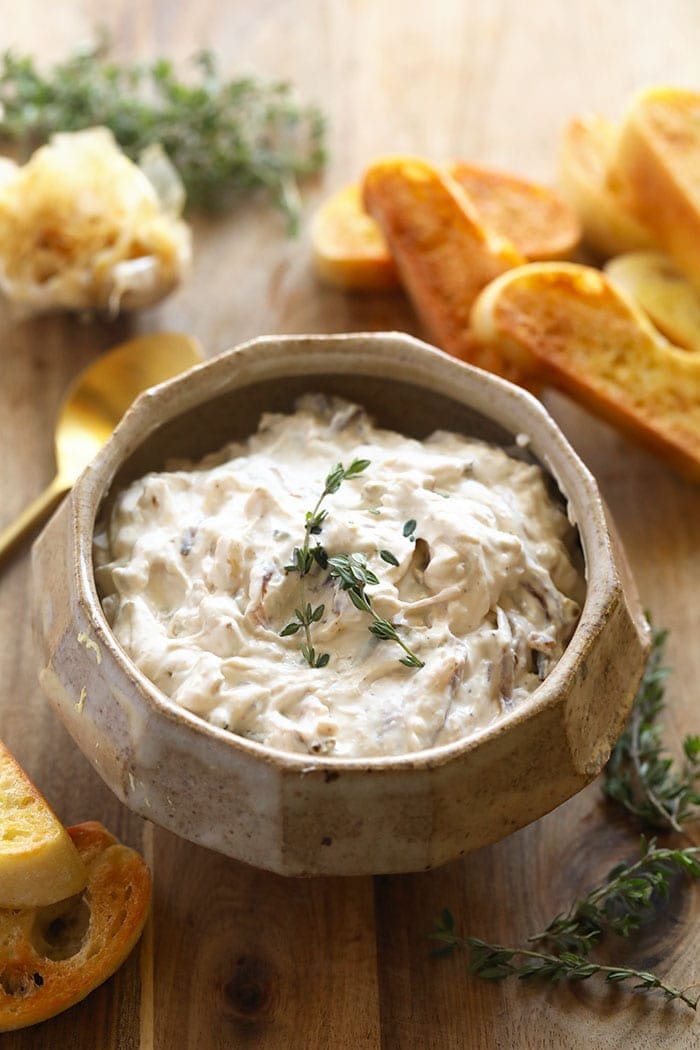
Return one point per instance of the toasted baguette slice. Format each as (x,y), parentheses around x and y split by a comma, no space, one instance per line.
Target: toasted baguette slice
(349,250)
(661,289)
(657,167)
(51,958)
(534,218)
(443,253)
(38,862)
(585,154)
(587,338)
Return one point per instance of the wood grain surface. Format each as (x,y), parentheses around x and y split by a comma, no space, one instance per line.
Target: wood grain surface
(238,958)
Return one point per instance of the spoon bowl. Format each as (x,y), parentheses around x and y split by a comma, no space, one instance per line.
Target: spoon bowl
(101,394)
(96,401)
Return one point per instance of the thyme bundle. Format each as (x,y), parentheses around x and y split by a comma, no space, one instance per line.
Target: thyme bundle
(225,137)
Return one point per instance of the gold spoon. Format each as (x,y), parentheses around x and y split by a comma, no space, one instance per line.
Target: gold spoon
(94,404)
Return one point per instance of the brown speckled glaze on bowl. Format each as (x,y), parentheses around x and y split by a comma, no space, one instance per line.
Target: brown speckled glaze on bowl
(302,815)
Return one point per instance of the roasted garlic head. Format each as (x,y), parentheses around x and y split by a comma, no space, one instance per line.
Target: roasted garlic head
(84,228)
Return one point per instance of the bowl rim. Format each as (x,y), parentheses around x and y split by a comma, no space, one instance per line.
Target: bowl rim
(559,460)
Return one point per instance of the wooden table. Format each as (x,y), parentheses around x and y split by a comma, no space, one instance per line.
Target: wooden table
(235,957)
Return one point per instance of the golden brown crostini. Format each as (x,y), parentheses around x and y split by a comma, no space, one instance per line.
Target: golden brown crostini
(51,958)
(584,335)
(444,254)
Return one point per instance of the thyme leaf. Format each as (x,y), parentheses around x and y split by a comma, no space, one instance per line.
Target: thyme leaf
(618,906)
(388,557)
(640,776)
(409,528)
(225,137)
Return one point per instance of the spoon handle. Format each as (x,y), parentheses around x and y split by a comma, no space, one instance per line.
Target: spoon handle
(37,511)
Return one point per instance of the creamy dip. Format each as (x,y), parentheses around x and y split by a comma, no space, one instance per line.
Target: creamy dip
(191,566)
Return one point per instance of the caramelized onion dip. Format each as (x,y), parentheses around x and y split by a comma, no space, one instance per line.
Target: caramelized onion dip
(191,568)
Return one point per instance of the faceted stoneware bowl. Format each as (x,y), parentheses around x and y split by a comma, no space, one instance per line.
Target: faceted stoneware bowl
(307,815)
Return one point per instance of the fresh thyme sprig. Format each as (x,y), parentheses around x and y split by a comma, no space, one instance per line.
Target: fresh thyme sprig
(354,576)
(640,776)
(619,906)
(351,570)
(225,138)
(622,903)
(303,559)
(495,962)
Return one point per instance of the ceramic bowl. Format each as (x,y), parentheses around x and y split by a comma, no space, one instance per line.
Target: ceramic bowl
(297,814)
